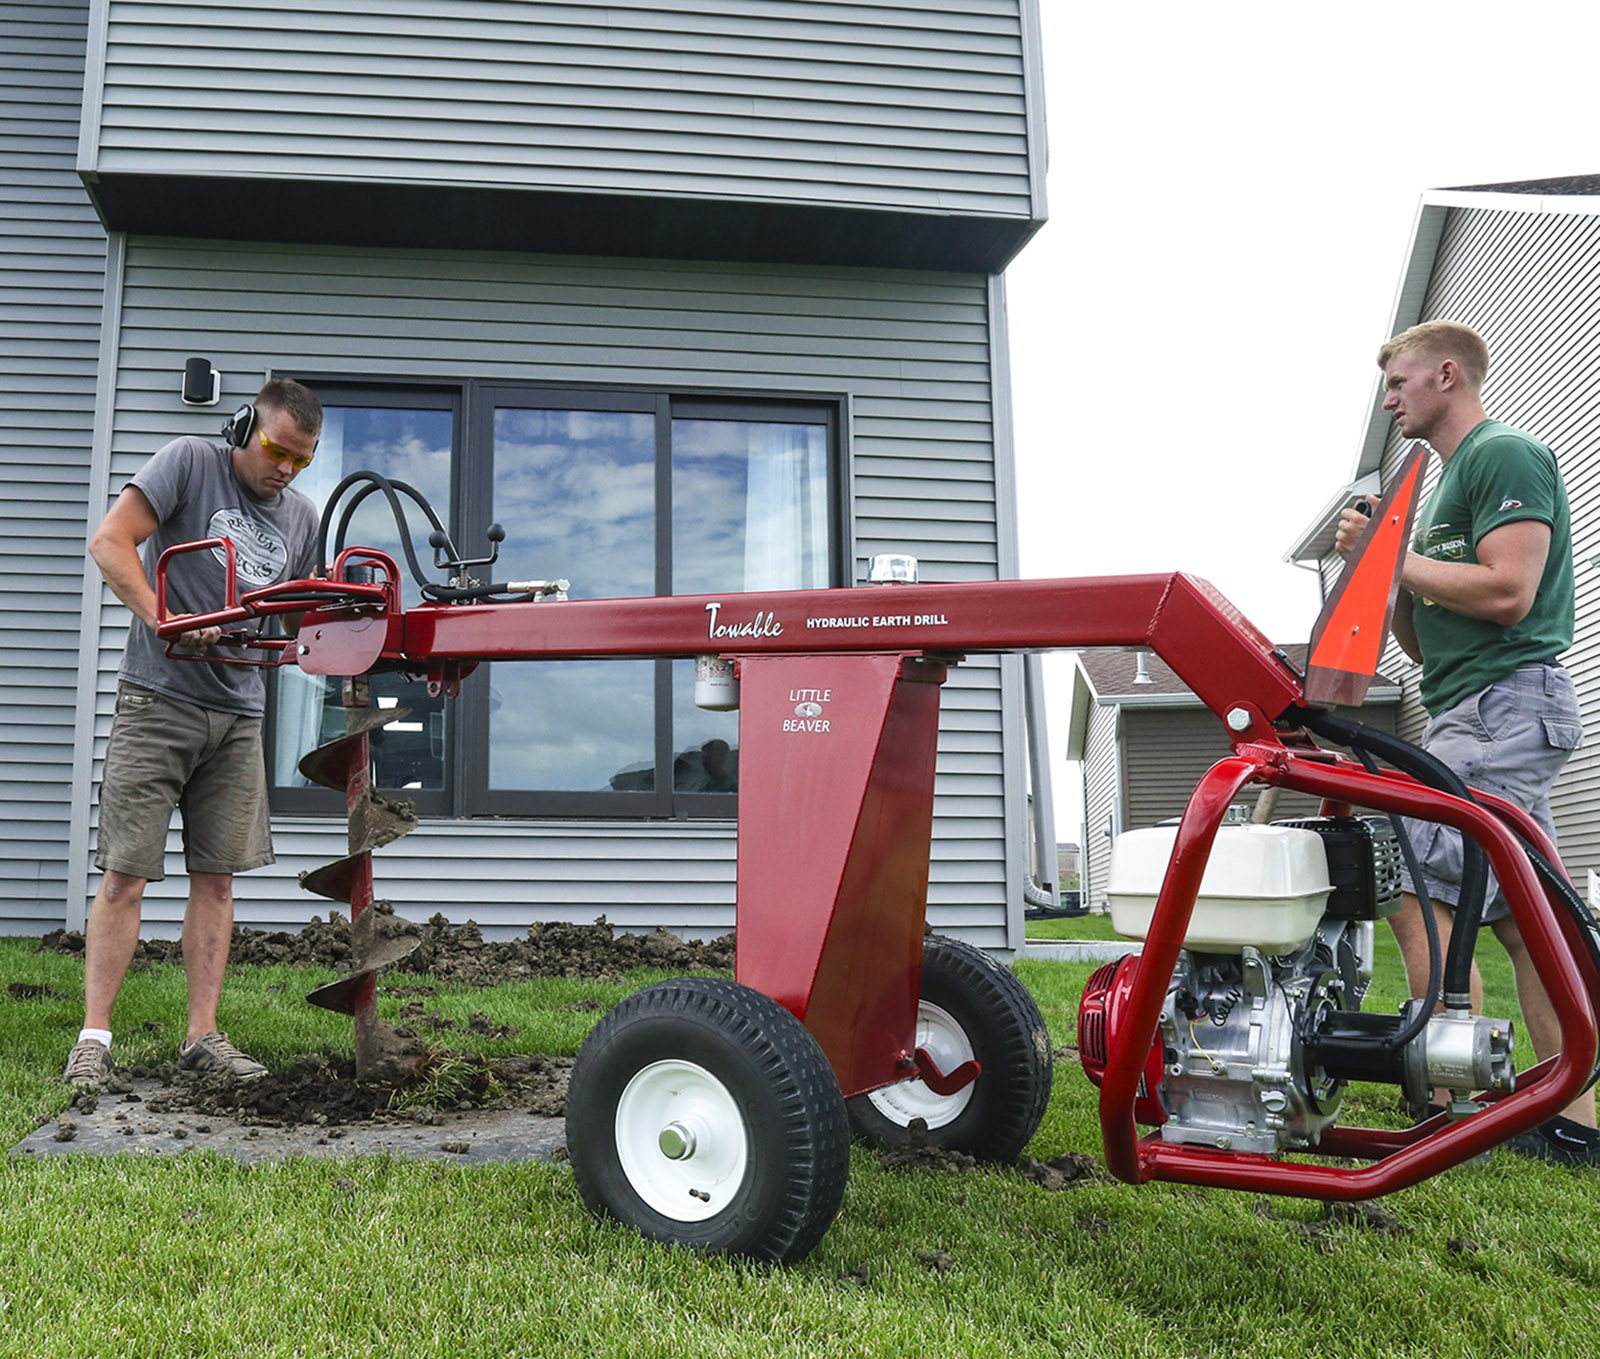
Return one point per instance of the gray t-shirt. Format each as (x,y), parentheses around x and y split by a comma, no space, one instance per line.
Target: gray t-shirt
(191,486)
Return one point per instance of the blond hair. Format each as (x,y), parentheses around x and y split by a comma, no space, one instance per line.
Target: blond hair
(1440,340)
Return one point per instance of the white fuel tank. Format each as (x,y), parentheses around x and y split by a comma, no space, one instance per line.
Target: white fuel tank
(1266,886)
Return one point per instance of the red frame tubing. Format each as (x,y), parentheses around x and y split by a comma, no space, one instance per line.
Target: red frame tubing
(230,587)
(286,596)
(1231,666)
(1226,661)
(1407,1158)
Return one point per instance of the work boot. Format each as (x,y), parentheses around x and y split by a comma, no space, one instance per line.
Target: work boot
(212,1054)
(88,1066)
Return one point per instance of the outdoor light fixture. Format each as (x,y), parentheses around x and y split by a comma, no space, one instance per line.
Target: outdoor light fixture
(202,384)
(892,568)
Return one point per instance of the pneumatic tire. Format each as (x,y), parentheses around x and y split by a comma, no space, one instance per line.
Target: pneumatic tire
(970,1008)
(704,1114)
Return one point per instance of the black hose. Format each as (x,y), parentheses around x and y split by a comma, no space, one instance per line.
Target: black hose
(373,483)
(1420,1014)
(1426,769)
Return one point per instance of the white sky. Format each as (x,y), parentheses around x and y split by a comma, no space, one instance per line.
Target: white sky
(1232,189)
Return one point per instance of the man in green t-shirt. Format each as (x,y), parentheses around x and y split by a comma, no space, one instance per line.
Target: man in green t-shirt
(1486,604)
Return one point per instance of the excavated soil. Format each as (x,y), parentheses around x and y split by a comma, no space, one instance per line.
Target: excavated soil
(458,954)
(419,1079)
(417,1075)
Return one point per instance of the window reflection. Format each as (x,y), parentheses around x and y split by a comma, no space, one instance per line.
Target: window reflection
(578,726)
(744,503)
(749,506)
(576,492)
(705,744)
(411,446)
(749,512)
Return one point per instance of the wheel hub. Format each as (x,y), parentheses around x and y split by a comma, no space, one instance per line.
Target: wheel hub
(946,1043)
(677,1141)
(681,1140)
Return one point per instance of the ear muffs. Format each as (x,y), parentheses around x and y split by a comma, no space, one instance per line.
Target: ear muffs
(240,426)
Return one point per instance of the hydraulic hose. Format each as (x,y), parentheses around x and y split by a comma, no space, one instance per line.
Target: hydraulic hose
(375,483)
(1429,770)
(1417,1020)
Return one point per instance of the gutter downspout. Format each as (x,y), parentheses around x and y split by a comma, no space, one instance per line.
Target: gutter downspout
(1039,887)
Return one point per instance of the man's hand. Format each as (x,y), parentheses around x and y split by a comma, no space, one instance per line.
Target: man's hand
(1352,524)
(197,639)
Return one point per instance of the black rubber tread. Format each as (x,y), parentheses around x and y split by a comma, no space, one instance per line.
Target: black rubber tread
(1010,1042)
(786,1091)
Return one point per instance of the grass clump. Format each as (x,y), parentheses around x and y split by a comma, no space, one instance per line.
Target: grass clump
(448,1080)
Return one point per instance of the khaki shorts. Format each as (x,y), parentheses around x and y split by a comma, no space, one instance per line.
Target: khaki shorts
(165,753)
(1511,739)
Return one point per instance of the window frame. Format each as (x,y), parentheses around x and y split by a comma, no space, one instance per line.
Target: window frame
(473,401)
(376,394)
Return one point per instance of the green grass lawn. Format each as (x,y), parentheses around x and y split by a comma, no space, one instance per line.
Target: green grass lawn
(364,1256)
(1095,925)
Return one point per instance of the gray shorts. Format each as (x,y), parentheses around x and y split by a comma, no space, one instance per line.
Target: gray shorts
(164,754)
(1511,739)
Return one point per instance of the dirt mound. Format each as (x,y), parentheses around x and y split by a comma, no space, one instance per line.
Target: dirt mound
(453,953)
(325,1091)
(320,1090)
(423,1080)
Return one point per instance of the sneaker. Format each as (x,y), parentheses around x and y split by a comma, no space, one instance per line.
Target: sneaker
(212,1054)
(88,1066)
(1560,1140)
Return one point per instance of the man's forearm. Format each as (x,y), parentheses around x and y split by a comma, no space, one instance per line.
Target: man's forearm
(1403,628)
(1468,589)
(1499,587)
(123,571)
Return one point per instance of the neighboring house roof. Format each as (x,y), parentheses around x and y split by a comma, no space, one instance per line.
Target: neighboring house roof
(1128,677)
(1563,194)
(1563,184)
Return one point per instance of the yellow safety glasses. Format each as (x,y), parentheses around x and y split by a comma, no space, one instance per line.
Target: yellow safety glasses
(278,453)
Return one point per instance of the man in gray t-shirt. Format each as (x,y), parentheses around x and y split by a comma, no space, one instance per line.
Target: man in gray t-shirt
(187,732)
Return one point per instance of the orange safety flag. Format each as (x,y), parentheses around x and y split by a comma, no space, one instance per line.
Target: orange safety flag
(1348,639)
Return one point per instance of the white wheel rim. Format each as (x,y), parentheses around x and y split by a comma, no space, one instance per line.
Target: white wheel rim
(706,1128)
(946,1042)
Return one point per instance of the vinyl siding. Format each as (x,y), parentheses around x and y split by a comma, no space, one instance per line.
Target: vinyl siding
(1529,282)
(1141,764)
(910,352)
(890,105)
(1165,751)
(52,265)
(1102,805)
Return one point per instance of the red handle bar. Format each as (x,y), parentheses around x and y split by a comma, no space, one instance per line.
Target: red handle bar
(284,596)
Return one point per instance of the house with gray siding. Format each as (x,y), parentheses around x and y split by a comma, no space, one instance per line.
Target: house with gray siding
(707,295)
(1142,740)
(1520,264)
